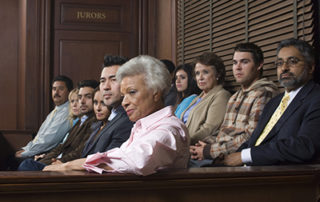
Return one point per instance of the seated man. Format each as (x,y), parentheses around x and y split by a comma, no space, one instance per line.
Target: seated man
(119,126)
(244,107)
(56,126)
(158,140)
(288,131)
(71,149)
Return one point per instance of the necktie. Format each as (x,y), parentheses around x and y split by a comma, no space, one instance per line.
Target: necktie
(53,113)
(274,119)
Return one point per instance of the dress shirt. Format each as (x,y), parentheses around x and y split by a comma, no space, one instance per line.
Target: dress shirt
(184,104)
(113,114)
(186,114)
(51,132)
(246,153)
(83,119)
(157,141)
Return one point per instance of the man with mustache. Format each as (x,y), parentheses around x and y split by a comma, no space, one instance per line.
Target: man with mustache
(244,107)
(288,131)
(56,125)
(72,147)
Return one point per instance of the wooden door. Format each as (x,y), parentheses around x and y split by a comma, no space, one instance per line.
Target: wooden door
(85,31)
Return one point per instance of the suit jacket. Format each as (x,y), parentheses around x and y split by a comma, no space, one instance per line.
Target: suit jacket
(73,146)
(112,135)
(296,136)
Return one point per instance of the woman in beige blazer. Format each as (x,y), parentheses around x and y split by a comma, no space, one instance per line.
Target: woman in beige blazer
(205,113)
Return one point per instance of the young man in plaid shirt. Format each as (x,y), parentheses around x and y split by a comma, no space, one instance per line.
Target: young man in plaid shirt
(244,107)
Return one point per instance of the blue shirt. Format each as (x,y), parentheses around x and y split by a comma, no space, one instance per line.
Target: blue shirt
(186,114)
(183,105)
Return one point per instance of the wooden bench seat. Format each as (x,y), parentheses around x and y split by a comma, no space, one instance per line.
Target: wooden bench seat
(267,183)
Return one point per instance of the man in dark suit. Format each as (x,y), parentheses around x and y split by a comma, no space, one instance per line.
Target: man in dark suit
(288,130)
(119,126)
(70,149)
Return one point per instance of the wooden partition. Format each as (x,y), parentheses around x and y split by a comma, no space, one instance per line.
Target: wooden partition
(270,183)
(10,142)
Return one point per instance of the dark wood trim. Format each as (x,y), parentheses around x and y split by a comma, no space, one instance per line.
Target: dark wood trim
(34,63)
(20,132)
(21,109)
(45,57)
(147,27)
(316,17)
(268,183)
(174,31)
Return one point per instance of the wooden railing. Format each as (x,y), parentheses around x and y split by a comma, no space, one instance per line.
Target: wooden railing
(269,183)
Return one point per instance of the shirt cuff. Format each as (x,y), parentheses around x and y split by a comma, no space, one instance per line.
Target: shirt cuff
(246,156)
(94,160)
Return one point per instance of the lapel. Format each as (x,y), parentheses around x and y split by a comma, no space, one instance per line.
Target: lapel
(199,108)
(294,105)
(106,128)
(78,129)
(95,128)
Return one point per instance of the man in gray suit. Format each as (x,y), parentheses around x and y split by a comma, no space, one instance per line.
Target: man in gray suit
(119,126)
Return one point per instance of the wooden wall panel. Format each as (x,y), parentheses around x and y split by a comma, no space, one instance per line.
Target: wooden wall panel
(166,32)
(79,55)
(85,31)
(8,63)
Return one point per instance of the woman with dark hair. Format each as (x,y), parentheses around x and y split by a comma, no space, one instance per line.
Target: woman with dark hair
(186,87)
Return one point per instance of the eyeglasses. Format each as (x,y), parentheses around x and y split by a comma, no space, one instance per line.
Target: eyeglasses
(291,61)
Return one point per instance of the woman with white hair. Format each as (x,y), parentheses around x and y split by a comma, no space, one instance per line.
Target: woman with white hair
(158,140)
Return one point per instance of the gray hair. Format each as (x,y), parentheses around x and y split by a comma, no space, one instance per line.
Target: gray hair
(306,50)
(156,76)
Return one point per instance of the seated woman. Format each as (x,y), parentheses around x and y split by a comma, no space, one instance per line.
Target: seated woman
(74,108)
(205,113)
(185,86)
(102,112)
(158,140)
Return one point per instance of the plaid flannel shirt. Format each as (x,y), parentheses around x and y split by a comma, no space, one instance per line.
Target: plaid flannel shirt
(243,112)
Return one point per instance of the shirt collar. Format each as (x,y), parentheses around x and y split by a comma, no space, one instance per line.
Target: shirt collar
(151,119)
(66,104)
(293,94)
(83,119)
(114,113)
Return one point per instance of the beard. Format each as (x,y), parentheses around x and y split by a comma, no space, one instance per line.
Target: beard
(293,81)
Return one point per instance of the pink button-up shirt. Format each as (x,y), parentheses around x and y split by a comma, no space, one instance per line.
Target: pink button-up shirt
(158,141)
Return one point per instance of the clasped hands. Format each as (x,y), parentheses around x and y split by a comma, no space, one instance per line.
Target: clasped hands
(196,151)
(233,159)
